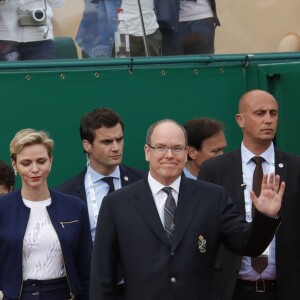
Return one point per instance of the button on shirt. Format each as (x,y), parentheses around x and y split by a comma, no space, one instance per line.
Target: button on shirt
(101,189)
(160,196)
(246,271)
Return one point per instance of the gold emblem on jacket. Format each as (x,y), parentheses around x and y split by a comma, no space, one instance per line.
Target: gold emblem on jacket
(201,244)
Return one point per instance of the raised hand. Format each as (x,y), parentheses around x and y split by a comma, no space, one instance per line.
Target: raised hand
(269,201)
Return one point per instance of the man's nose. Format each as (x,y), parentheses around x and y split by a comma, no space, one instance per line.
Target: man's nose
(169,153)
(115,145)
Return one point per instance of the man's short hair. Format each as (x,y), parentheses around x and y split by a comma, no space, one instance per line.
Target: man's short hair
(201,129)
(154,125)
(97,118)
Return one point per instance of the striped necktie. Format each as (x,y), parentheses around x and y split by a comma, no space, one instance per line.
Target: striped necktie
(169,213)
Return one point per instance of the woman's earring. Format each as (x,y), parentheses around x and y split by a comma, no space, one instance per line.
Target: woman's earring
(16,172)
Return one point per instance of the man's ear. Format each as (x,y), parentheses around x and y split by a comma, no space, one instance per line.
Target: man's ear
(240,120)
(191,151)
(147,152)
(86,146)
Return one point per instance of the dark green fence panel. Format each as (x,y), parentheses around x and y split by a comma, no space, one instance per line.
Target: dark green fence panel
(54,95)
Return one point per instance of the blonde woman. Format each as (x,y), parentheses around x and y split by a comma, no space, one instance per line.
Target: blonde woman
(45,242)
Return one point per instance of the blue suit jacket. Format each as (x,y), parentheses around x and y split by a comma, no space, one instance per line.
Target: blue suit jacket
(74,238)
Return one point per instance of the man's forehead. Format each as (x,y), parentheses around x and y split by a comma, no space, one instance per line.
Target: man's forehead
(166,131)
(260,103)
(107,133)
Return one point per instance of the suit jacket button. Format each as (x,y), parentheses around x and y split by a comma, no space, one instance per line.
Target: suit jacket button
(173,254)
(173,279)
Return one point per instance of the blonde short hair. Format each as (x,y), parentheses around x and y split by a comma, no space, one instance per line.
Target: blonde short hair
(28,137)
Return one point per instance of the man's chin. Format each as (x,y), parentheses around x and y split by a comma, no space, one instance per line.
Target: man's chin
(115,162)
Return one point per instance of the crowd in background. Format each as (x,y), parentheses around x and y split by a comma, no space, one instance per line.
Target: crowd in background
(154,28)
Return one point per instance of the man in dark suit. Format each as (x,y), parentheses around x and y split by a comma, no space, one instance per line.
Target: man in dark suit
(165,229)
(206,139)
(235,276)
(101,132)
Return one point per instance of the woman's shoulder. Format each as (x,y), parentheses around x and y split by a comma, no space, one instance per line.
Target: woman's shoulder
(66,198)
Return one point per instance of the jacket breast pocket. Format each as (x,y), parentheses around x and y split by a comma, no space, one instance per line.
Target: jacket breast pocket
(65,224)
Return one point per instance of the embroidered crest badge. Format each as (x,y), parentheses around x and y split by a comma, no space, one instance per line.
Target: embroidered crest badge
(201,244)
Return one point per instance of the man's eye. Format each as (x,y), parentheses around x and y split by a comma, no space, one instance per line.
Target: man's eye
(160,148)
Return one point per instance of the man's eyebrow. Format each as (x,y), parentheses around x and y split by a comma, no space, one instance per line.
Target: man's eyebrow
(111,139)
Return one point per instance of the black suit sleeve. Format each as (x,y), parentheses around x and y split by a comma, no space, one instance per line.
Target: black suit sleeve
(243,238)
(105,258)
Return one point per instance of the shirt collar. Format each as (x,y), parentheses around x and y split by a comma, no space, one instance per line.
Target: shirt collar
(156,186)
(188,174)
(247,155)
(97,176)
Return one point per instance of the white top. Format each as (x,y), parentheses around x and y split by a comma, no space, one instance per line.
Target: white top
(132,17)
(160,196)
(246,271)
(42,255)
(190,10)
(11,31)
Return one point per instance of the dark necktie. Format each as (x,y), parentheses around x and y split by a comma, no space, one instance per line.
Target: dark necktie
(110,182)
(169,212)
(257,175)
(261,262)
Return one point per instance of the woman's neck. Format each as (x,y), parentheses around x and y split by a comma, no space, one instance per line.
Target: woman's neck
(35,194)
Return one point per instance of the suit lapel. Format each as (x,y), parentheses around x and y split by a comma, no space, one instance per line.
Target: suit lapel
(80,188)
(125,179)
(280,165)
(237,176)
(187,202)
(236,173)
(144,203)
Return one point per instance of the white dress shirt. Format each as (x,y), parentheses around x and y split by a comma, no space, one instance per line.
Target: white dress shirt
(246,271)
(160,196)
(100,188)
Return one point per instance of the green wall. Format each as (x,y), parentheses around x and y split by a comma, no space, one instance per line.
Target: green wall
(53,96)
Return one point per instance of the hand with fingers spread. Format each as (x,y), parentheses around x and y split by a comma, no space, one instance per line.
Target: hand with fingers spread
(269,201)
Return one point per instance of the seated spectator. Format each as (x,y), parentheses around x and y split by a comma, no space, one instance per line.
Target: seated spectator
(187,26)
(197,23)
(99,23)
(26,31)
(7,178)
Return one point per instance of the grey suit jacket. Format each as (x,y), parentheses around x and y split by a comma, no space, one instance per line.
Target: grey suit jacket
(226,170)
(131,233)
